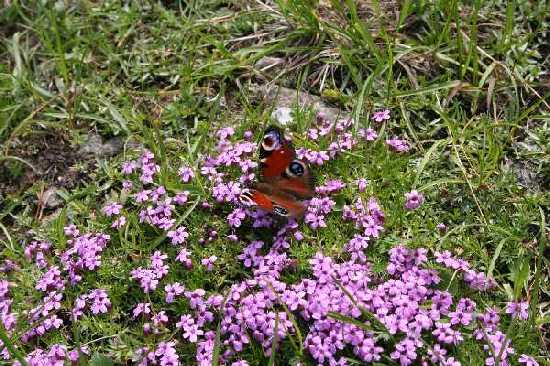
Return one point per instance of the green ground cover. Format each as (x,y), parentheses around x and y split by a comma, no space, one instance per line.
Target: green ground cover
(86,86)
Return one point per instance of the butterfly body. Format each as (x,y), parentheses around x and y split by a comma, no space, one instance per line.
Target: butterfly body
(285,182)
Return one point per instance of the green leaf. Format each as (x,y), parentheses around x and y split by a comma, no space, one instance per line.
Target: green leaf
(275,342)
(100,360)
(439,182)
(520,274)
(428,89)
(495,257)
(427,158)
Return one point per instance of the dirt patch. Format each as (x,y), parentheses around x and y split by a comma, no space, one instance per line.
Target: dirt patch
(49,157)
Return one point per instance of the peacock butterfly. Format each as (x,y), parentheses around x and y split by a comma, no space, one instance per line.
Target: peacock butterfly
(284,183)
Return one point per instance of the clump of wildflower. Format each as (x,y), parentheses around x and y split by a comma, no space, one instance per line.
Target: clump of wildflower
(362,184)
(149,278)
(498,344)
(186,174)
(148,167)
(209,262)
(518,309)
(528,360)
(414,199)
(119,222)
(112,208)
(398,145)
(370,218)
(381,116)
(164,355)
(317,210)
(313,157)
(181,197)
(178,236)
(51,280)
(184,257)
(37,251)
(173,290)
(330,187)
(236,216)
(128,167)
(251,254)
(83,253)
(100,302)
(368,134)
(57,354)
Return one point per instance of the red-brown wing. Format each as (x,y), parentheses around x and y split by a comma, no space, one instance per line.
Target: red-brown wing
(276,202)
(276,153)
(299,186)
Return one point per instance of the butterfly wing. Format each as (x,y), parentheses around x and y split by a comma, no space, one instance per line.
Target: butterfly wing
(270,200)
(280,168)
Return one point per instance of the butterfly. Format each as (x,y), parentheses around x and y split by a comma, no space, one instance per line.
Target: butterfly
(285,182)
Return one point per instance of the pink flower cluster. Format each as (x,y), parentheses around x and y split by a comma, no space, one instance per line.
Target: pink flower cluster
(369,219)
(36,251)
(83,254)
(476,280)
(57,354)
(317,210)
(8,318)
(149,278)
(97,300)
(164,354)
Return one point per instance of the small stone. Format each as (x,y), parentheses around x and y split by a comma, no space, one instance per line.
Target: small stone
(283,115)
(95,146)
(51,199)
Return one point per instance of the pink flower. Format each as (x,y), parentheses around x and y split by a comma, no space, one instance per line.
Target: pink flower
(183,257)
(181,197)
(518,309)
(119,222)
(368,134)
(381,116)
(100,301)
(398,145)
(128,167)
(528,360)
(209,262)
(186,174)
(173,290)
(111,209)
(362,184)
(413,200)
(178,236)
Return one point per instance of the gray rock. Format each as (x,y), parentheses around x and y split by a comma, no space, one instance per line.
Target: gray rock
(282,97)
(525,174)
(95,146)
(51,199)
(268,63)
(283,115)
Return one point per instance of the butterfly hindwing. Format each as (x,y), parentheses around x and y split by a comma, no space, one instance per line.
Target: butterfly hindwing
(276,202)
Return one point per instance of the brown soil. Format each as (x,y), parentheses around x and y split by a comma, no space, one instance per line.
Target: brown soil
(53,158)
